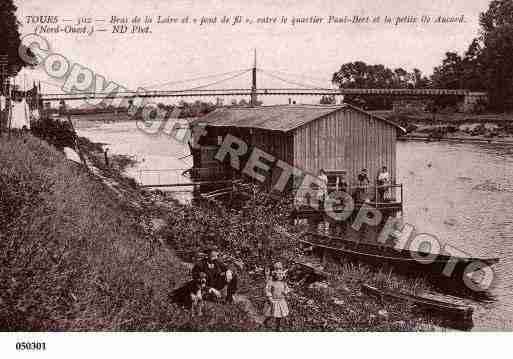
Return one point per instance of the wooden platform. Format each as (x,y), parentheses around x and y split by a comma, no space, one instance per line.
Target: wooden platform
(304,212)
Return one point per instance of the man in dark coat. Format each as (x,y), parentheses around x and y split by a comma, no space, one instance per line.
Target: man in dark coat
(218,276)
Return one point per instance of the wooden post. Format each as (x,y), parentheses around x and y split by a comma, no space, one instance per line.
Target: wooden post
(75,141)
(106,157)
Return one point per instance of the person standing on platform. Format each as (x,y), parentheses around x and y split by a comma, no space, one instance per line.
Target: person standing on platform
(323,188)
(363,184)
(383,181)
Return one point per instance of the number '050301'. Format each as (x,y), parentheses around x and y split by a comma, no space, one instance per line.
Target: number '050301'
(30,346)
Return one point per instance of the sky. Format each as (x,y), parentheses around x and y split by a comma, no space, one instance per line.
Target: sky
(311,53)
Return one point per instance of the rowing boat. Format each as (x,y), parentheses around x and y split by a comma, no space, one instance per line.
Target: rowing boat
(454,315)
(448,266)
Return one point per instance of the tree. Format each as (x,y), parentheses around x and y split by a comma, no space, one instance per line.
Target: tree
(495,58)
(361,75)
(195,109)
(458,72)
(9,40)
(401,78)
(420,81)
(472,71)
(449,75)
(488,63)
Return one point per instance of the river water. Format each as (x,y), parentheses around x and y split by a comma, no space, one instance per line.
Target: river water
(462,193)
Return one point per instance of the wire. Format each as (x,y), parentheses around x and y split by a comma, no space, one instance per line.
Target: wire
(238,74)
(192,79)
(296,75)
(293,82)
(217,82)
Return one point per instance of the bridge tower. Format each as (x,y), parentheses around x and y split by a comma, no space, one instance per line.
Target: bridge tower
(253,100)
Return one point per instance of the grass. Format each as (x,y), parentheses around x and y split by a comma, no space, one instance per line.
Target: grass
(340,306)
(78,256)
(191,228)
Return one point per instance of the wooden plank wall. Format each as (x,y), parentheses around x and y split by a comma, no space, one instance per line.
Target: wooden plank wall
(346,140)
(278,144)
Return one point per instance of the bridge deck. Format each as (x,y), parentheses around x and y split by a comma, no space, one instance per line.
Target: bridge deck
(260,92)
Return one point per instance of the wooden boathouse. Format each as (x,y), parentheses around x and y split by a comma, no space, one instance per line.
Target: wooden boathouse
(308,137)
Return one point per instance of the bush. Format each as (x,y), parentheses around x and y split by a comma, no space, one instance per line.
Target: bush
(248,233)
(56,132)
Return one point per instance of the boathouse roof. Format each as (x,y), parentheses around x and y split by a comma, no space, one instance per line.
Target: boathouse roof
(282,118)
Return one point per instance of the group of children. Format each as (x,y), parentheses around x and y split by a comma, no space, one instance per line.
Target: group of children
(213,281)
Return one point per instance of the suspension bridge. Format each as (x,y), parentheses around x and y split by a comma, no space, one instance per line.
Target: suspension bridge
(296,85)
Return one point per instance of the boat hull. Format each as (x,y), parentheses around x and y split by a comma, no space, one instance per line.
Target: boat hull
(446,273)
(450,314)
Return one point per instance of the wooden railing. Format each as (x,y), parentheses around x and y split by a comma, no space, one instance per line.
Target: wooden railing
(377,196)
(183,177)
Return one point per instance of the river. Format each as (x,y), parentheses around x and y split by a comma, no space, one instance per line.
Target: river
(462,193)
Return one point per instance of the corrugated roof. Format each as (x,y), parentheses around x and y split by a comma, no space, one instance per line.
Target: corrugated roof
(282,118)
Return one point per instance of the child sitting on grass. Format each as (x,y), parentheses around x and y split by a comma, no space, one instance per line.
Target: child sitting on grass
(276,289)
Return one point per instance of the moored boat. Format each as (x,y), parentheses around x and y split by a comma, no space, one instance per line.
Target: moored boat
(442,270)
(388,252)
(453,315)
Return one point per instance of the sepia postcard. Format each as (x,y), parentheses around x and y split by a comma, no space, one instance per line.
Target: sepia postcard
(171,166)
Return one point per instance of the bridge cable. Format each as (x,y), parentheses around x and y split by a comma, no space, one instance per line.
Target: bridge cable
(192,79)
(216,82)
(310,86)
(296,75)
(240,73)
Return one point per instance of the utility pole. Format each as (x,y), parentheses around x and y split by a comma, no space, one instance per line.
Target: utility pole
(253,100)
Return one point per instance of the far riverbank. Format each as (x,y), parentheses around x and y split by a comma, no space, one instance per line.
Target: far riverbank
(458,127)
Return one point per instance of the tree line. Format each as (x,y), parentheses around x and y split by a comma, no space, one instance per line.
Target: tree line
(10,62)
(487,65)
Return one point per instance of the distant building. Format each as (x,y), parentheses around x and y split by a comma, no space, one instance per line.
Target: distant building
(308,137)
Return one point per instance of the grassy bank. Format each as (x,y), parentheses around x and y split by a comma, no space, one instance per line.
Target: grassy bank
(251,238)
(80,251)
(76,257)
